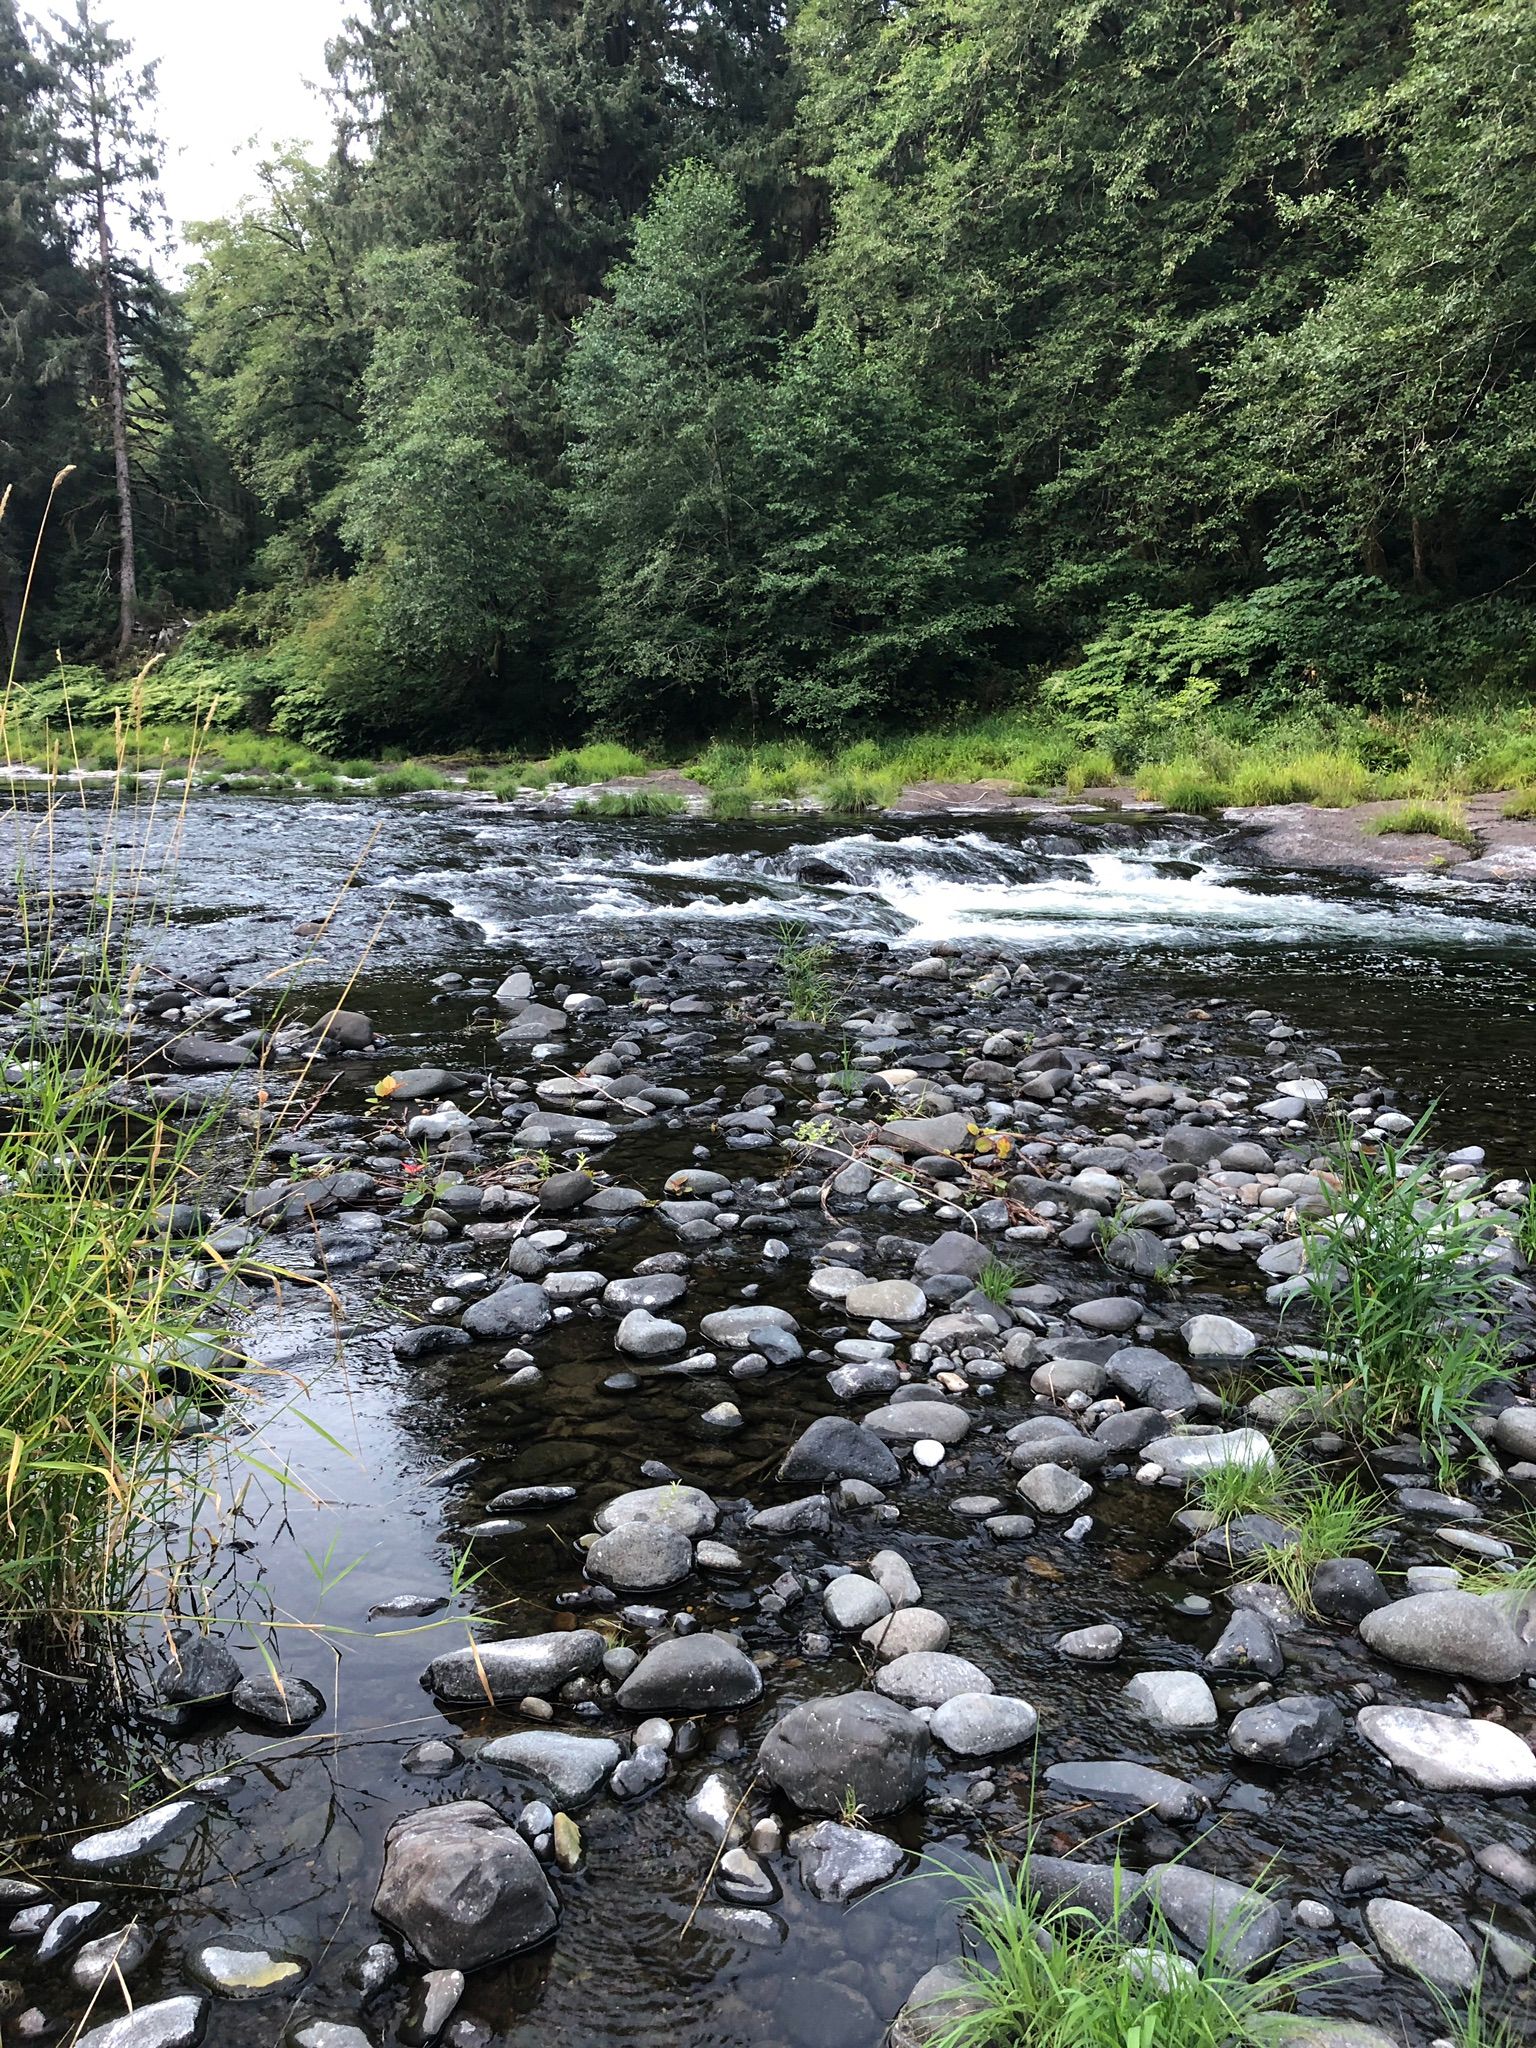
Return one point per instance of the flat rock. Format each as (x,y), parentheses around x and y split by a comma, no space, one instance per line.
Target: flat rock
(572,1766)
(1126,1788)
(1187,1457)
(887,1301)
(518,1308)
(136,1837)
(1242,1926)
(241,1973)
(1421,1943)
(516,1668)
(1051,1489)
(1152,1380)
(167,2023)
(1444,1753)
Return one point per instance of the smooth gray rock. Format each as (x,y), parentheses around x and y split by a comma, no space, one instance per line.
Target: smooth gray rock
(197,1667)
(1172,1699)
(953,1251)
(854,1744)
(686,1509)
(1445,1753)
(463,1887)
(639,1557)
(1243,1926)
(517,1667)
(701,1674)
(905,1629)
(927,1678)
(939,1999)
(984,1724)
(853,1603)
(1452,1631)
(1421,1943)
(1213,1337)
(1188,1457)
(1099,1644)
(909,1422)
(1126,1788)
(100,1962)
(1348,1589)
(642,1335)
(238,1972)
(653,1291)
(136,1837)
(167,2023)
(572,1766)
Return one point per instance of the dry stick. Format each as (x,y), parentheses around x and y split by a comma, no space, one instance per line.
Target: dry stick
(720,1849)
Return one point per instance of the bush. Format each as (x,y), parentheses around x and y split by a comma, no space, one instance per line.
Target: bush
(406,779)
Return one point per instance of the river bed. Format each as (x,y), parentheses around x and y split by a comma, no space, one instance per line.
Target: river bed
(1430,983)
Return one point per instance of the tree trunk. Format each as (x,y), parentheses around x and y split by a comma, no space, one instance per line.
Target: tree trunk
(117,407)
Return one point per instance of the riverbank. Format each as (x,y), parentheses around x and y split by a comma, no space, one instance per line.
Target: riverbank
(733,1366)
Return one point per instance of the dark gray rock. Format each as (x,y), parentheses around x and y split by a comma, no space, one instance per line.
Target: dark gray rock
(1347,1589)
(463,1887)
(516,1668)
(278,1699)
(1243,1927)
(197,1667)
(1298,1729)
(518,1308)
(1126,1788)
(836,1447)
(1247,1643)
(700,1674)
(856,1743)
(1151,1380)
(640,1557)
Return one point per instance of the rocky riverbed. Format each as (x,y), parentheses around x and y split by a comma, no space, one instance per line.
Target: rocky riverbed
(696,1466)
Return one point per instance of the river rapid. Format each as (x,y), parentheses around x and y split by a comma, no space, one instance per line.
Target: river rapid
(349,1474)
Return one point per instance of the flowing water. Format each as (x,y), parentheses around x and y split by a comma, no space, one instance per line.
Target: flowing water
(1433,985)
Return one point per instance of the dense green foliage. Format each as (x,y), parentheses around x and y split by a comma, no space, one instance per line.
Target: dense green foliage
(717,367)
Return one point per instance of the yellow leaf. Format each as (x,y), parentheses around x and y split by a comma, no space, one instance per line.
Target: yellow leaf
(385,1088)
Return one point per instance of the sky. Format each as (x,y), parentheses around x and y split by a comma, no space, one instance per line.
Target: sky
(229,70)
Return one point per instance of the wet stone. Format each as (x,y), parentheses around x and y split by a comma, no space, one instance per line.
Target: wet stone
(233,1972)
(572,1766)
(1444,1753)
(1421,1943)
(858,1743)
(1172,1699)
(1099,1644)
(927,1678)
(842,1863)
(278,1699)
(1296,1730)
(640,1556)
(136,1837)
(463,1887)
(691,1675)
(167,2023)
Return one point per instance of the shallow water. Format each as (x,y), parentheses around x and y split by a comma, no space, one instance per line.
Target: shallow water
(1434,986)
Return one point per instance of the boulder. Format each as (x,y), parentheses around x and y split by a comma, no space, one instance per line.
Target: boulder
(1421,1943)
(908,1422)
(700,1674)
(837,1447)
(518,1308)
(639,1557)
(1453,1632)
(927,1678)
(854,1744)
(463,1887)
(687,1509)
(1243,1927)
(1172,1699)
(984,1724)
(842,1863)
(1151,1380)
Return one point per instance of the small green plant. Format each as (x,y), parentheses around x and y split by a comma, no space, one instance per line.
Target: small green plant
(1226,1491)
(630,803)
(851,1813)
(803,963)
(420,1183)
(1525,1226)
(997,1280)
(1328,1518)
(1056,1976)
(1408,1311)
(1521,805)
(1442,821)
(729,801)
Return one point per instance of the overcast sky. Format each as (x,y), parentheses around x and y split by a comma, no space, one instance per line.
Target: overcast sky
(229,69)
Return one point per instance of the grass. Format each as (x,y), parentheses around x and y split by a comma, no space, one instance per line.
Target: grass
(1226,1491)
(1328,1518)
(1057,1977)
(1522,804)
(406,778)
(997,1280)
(1441,821)
(808,988)
(631,803)
(1407,1312)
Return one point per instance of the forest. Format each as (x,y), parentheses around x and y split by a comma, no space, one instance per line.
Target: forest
(663,371)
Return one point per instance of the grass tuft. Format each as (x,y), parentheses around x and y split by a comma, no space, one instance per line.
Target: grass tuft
(1440,821)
